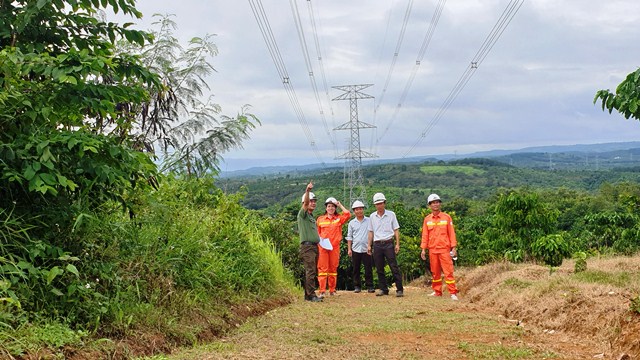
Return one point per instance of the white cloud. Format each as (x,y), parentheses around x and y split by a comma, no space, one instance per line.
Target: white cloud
(535,87)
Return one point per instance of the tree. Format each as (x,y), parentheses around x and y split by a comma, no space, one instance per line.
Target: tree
(626,100)
(189,132)
(519,220)
(60,77)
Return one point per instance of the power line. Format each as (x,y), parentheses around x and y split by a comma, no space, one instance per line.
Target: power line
(423,49)
(312,16)
(312,79)
(274,52)
(403,29)
(384,42)
(504,20)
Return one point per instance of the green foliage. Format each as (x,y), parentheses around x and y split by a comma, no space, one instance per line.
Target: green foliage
(32,338)
(190,252)
(520,219)
(551,249)
(626,100)
(452,170)
(634,305)
(189,131)
(581,262)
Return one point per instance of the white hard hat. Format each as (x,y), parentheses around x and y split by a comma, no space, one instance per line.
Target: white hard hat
(378,198)
(312,196)
(331,200)
(357,204)
(433,197)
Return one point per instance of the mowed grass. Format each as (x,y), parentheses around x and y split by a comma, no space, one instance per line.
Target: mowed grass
(441,169)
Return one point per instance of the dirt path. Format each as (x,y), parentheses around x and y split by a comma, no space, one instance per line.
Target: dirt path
(362,326)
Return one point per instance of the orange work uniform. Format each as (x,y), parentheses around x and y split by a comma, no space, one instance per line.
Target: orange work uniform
(439,237)
(330,227)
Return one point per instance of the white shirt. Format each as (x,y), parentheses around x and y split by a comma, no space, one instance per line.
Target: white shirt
(383,226)
(358,234)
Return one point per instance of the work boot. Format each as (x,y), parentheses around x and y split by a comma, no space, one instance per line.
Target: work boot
(357,290)
(435,294)
(314,298)
(371,290)
(454,297)
(321,295)
(399,293)
(382,293)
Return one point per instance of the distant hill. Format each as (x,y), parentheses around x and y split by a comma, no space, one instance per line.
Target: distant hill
(579,156)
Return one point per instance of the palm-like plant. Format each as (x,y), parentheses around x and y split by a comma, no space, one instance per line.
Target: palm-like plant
(189,133)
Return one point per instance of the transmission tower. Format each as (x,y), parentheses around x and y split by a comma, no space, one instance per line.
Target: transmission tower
(354,155)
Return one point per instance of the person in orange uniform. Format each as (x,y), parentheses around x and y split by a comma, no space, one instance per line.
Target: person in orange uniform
(439,238)
(330,227)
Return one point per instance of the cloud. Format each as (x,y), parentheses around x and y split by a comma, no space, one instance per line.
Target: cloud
(535,86)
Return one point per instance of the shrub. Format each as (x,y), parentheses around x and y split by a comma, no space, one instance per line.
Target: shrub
(551,249)
(581,262)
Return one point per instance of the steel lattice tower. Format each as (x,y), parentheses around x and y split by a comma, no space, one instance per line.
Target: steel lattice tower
(354,155)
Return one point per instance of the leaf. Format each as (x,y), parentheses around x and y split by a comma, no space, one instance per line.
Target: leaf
(29,173)
(41,4)
(72,269)
(52,274)
(57,292)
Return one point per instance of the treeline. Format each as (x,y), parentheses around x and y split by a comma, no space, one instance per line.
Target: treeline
(534,215)
(472,179)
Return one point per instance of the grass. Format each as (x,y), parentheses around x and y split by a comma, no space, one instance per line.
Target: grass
(618,278)
(360,326)
(494,351)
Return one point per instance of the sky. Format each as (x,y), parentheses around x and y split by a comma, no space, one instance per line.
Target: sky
(534,85)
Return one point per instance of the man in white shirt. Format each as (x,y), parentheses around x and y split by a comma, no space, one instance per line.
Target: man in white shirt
(357,243)
(383,230)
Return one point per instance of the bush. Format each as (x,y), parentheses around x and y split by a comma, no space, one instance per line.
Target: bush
(551,249)
(581,262)
(187,256)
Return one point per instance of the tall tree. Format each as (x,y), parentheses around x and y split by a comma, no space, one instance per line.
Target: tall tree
(178,120)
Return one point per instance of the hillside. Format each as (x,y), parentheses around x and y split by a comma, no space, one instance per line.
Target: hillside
(580,156)
(410,183)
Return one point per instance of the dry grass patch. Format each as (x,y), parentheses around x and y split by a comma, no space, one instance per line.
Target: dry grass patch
(594,305)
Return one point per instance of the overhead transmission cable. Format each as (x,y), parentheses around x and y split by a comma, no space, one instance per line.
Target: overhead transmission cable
(502,23)
(312,79)
(423,49)
(312,16)
(396,52)
(384,42)
(274,52)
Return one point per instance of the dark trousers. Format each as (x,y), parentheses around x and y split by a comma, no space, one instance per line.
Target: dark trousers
(380,253)
(364,259)
(309,257)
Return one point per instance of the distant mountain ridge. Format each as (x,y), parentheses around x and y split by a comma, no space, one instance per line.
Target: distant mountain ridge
(499,155)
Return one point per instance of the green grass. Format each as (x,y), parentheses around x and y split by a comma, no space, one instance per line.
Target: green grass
(619,279)
(495,351)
